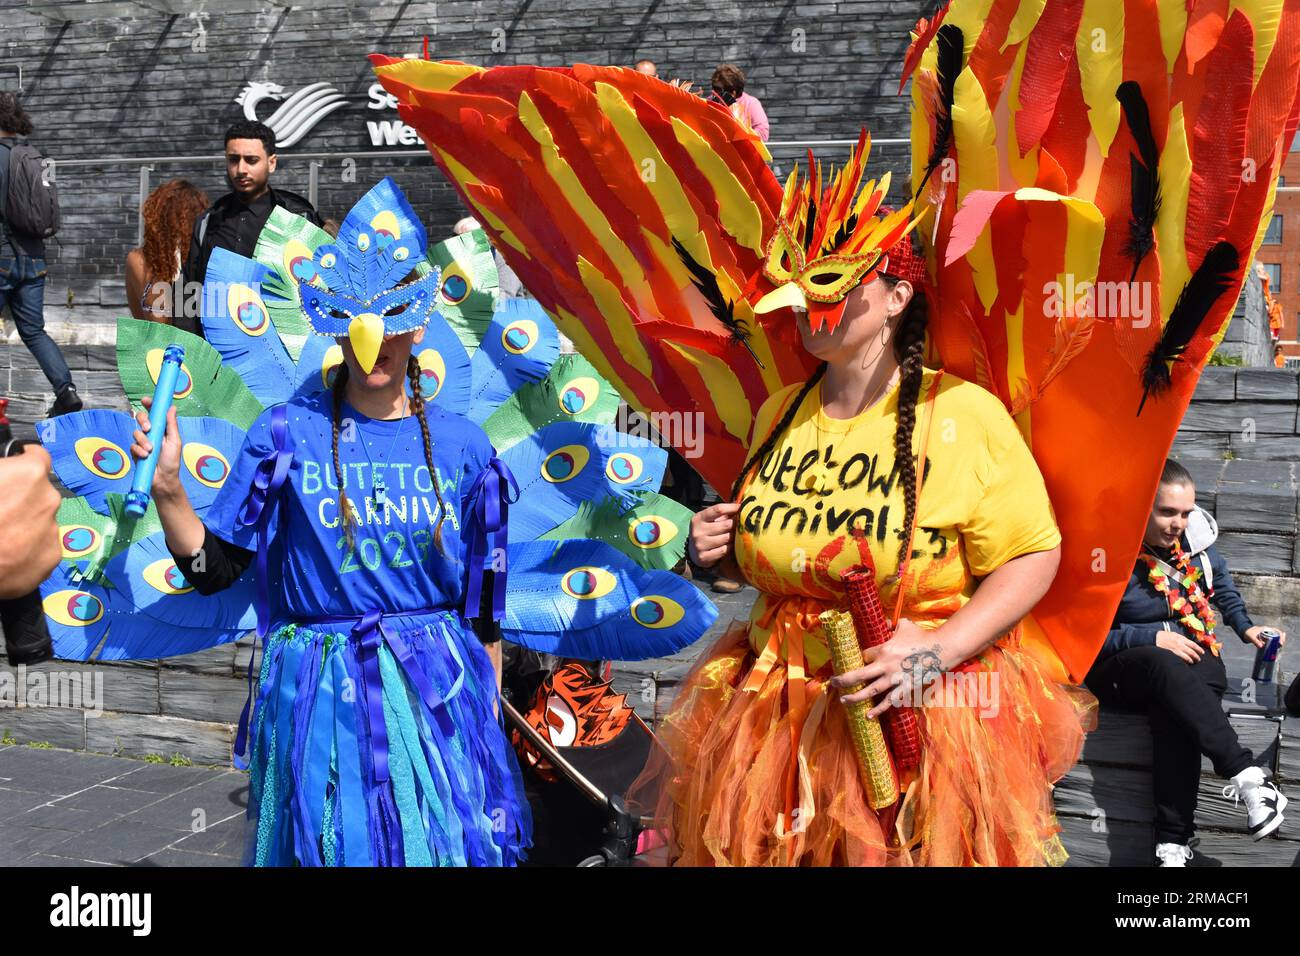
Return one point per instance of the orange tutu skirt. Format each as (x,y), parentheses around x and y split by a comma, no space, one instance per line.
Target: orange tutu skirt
(726,792)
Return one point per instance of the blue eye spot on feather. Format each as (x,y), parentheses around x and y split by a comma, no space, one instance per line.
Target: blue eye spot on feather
(454,288)
(327,261)
(656,611)
(400,254)
(565,463)
(163,576)
(252,317)
(647,612)
(85,608)
(646,533)
(303,269)
(211,468)
(79,540)
(581,583)
(623,468)
(205,463)
(102,457)
(587,583)
(573,400)
(559,467)
(363,241)
(519,337)
(73,608)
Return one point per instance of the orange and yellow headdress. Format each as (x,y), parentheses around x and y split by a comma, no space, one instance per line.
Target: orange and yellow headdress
(828,241)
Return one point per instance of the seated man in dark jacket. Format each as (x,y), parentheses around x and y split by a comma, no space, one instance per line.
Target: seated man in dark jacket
(1162,657)
(234,221)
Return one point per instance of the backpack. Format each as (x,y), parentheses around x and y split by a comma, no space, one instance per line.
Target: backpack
(32,206)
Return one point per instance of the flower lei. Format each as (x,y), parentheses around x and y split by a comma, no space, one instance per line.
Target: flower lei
(1189,602)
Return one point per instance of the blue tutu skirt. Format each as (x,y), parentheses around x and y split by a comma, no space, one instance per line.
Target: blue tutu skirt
(382,751)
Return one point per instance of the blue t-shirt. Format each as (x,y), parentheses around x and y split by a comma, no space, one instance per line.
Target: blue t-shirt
(393,564)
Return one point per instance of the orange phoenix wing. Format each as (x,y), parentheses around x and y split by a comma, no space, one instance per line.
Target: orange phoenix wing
(636,213)
(1103,172)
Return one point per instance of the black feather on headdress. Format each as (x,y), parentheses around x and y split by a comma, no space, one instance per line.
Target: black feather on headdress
(722,307)
(950,41)
(1208,282)
(1144,175)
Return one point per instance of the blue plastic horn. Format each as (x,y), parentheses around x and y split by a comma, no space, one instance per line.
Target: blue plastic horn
(137,499)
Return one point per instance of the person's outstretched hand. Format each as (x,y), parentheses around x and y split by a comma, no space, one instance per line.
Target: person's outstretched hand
(29,534)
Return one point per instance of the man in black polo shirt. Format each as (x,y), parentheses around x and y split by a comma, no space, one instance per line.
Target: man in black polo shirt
(234,221)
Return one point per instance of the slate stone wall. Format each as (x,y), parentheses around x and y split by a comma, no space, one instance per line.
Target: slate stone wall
(1240,441)
(154,85)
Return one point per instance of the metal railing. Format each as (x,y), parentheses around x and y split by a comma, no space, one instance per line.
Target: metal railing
(316,160)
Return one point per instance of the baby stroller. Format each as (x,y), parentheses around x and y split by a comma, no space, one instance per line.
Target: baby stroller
(580,746)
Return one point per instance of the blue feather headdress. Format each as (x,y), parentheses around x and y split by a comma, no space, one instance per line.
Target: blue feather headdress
(352,287)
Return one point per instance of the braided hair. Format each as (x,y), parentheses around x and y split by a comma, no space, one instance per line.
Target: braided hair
(417,407)
(909,350)
(345,512)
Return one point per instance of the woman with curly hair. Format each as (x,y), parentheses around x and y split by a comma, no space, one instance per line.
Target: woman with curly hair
(169,216)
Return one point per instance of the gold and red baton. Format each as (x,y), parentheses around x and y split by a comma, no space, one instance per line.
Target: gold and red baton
(868,737)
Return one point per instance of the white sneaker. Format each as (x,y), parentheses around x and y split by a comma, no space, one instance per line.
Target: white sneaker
(1264,802)
(1173,854)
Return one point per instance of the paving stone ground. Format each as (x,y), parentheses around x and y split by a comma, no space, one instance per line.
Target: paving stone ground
(71,808)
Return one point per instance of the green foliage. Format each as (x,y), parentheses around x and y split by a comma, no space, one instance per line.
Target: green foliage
(1219,359)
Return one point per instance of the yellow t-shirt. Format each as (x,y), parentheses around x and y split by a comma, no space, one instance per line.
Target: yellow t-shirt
(983,501)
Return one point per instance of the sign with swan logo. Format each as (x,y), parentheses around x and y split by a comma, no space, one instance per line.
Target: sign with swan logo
(297,114)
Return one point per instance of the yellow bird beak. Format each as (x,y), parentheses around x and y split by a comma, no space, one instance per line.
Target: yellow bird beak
(788,296)
(366,333)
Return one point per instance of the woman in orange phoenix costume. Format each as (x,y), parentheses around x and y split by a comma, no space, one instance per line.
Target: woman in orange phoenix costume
(1091,181)
(761,766)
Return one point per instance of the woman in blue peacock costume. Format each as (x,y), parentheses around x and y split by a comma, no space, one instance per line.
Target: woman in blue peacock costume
(336,473)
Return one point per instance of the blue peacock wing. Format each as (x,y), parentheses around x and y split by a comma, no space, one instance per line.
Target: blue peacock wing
(519,347)
(117,619)
(237,323)
(566,464)
(445,371)
(584,599)
(90,452)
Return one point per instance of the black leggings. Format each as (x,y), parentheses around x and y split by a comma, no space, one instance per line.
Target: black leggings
(1183,703)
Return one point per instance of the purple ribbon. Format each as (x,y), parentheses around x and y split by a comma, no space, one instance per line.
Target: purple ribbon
(369,634)
(268,479)
(491,495)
